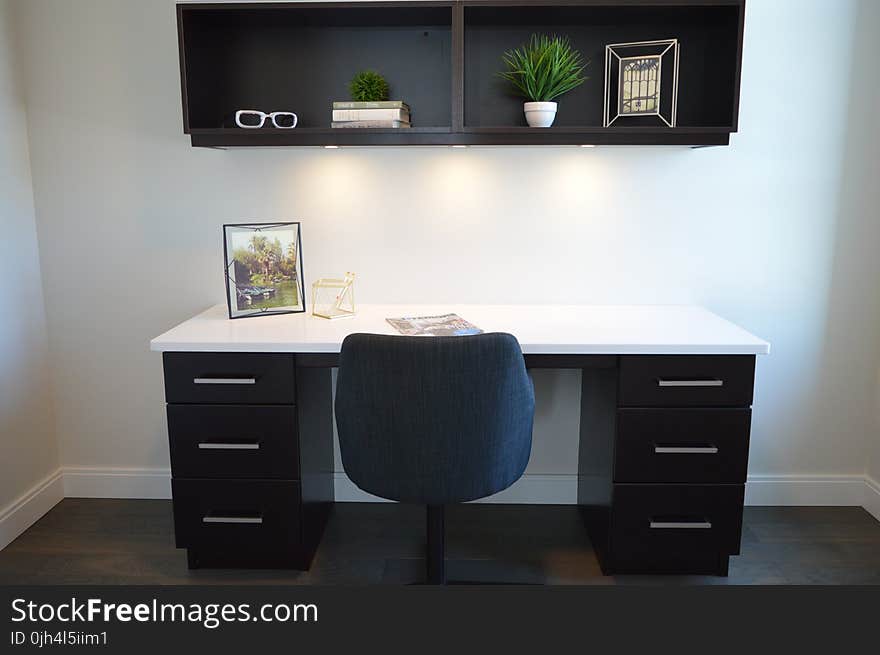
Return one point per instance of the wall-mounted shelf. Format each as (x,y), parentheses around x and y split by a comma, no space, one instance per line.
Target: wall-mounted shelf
(442,58)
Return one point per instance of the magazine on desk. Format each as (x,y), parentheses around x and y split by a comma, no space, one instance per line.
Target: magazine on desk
(447,325)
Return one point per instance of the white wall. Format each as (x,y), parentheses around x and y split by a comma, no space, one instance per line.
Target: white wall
(27,442)
(863,193)
(869,53)
(129,220)
(856,273)
(874,447)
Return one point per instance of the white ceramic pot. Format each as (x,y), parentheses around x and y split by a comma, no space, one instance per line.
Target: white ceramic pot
(540,114)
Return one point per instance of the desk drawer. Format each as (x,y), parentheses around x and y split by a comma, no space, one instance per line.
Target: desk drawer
(233,441)
(682,445)
(262,378)
(223,515)
(652,520)
(686,380)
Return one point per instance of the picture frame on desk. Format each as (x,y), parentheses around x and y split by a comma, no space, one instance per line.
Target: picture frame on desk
(263,269)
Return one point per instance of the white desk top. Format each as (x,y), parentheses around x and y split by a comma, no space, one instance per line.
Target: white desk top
(540,329)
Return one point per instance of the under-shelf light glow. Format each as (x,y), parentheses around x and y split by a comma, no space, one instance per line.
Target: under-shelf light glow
(459,146)
(331,147)
(587,145)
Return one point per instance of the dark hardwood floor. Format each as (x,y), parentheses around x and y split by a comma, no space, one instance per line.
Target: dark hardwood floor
(123,542)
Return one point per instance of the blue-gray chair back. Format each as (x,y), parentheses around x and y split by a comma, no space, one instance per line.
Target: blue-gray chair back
(434,420)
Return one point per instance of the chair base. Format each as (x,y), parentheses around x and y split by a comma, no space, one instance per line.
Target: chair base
(481,572)
(433,570)
(436,555)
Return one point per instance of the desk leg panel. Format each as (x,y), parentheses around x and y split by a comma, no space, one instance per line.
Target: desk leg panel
(598,426)
(314,402)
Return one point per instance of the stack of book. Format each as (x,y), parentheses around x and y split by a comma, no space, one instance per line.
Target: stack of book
(382,114)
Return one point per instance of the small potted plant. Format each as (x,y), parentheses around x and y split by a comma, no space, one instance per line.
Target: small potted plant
(542,70)
(368,86)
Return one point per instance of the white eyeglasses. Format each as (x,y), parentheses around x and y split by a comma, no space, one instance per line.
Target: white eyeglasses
(253,119)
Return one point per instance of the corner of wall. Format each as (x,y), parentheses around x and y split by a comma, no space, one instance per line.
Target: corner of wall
(30,477)
(28,508)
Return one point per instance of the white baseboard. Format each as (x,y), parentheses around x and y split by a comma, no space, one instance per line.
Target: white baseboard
(539,490)
(795,490)
(82,482)
(94,482)
(871,502)
(761,490)
(533,489)
(23,512)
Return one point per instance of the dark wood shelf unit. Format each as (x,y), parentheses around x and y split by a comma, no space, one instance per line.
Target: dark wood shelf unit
(441,58)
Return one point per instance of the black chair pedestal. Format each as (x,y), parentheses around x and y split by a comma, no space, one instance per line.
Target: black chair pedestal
(436,555)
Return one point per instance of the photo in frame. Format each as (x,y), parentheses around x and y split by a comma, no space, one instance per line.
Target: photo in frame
(263,264)
(641,83)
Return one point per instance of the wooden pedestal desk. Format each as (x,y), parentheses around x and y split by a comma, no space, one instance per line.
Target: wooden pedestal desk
(666,400)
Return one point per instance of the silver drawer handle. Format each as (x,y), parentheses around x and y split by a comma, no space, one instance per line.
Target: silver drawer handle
(232,519)
(224,380)
(681,525)
(712,382)
(686,450)
(207,445)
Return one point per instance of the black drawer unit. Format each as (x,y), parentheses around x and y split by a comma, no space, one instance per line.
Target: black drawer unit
(243,514)
(664,518)
(662,471)
(250,436)
(686,381)
(263,378)
(682,445)
(233,441)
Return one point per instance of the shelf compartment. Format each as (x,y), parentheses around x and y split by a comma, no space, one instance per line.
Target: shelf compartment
(709,69)
(300,58)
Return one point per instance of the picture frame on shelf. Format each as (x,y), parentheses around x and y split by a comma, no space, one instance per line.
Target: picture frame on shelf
(641,83)
(263,269)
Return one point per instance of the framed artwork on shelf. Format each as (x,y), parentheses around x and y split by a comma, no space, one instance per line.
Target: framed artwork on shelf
(641,83)
(263,264)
